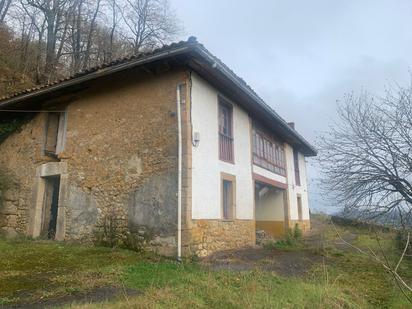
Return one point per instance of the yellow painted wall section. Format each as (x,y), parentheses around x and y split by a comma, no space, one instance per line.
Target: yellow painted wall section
(271,228)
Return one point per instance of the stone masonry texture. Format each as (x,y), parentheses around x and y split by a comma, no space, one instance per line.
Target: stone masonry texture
(121,158)
(208,236)
(121,155)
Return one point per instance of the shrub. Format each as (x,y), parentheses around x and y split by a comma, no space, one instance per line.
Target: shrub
(111,234)
(297,232)
(107,234)
(292,240)
(401,239)
(136,241)
(6,183)
(12,124)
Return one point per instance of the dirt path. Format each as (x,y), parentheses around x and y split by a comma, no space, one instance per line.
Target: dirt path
(101,294)
(283,262)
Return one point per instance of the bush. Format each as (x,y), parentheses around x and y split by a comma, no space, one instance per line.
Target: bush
(107,234)
(6,183)
(136,241)
(401,239)
(12,124)
(111,234)
(297,232)
(292,240)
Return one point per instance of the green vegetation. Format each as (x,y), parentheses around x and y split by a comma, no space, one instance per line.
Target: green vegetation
(12,123)
(6,182)
(348,268)
(33,270)
(111,234)
(172,285)
(291,241)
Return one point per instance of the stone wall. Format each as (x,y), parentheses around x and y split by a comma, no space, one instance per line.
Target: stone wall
(20,154)
(208,236)
(121,156)
(121,159)
(121,150)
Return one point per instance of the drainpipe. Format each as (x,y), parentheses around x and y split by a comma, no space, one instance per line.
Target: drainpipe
(179,174)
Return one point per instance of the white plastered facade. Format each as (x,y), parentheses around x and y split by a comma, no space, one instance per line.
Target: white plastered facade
(207,168)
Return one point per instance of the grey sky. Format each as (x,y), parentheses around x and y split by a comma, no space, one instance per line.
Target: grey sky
(302,56)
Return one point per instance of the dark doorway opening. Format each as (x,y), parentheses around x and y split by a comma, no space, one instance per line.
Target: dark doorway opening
(51,206)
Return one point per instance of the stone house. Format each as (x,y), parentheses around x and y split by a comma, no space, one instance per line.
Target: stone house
(170,143)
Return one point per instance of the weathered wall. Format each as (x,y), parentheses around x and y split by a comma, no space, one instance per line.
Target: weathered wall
(273,229)
(121,149)
(208,236)
(203,237)
(205,203)
(206,179)
(295,190)
(121,156)
(20,154)
(121,161)
(270,215)
(270,205)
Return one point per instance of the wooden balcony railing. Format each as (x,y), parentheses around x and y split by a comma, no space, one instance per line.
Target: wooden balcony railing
(226,148)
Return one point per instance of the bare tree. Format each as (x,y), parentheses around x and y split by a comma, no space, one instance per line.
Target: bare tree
(90,35)
(55,13)
(384,261)
(367,157)
(4,8)
(114,22)
(149,22)
(59,37)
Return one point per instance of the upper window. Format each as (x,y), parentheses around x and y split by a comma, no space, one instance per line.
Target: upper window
(296,166)
(268,153)
(55,133)
(226,131)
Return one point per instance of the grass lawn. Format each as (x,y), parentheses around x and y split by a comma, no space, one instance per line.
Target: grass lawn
(31,271)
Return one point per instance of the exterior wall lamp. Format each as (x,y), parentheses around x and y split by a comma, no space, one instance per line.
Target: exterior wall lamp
(196,139)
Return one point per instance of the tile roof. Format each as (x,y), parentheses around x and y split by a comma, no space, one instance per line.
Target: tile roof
(191,45)
(127,59)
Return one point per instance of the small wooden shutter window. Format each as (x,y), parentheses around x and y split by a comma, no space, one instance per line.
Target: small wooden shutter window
(52,130)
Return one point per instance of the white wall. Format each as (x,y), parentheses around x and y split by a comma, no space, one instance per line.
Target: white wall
(206,166)
(268,174)
(294,190)
(270,206)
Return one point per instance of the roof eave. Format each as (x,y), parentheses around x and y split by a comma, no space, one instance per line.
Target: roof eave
(307,149)
(214,64)
(94,75)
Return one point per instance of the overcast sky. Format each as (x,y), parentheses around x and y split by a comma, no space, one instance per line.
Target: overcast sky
(303,56)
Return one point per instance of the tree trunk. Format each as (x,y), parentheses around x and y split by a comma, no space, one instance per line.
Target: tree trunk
(50,46)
